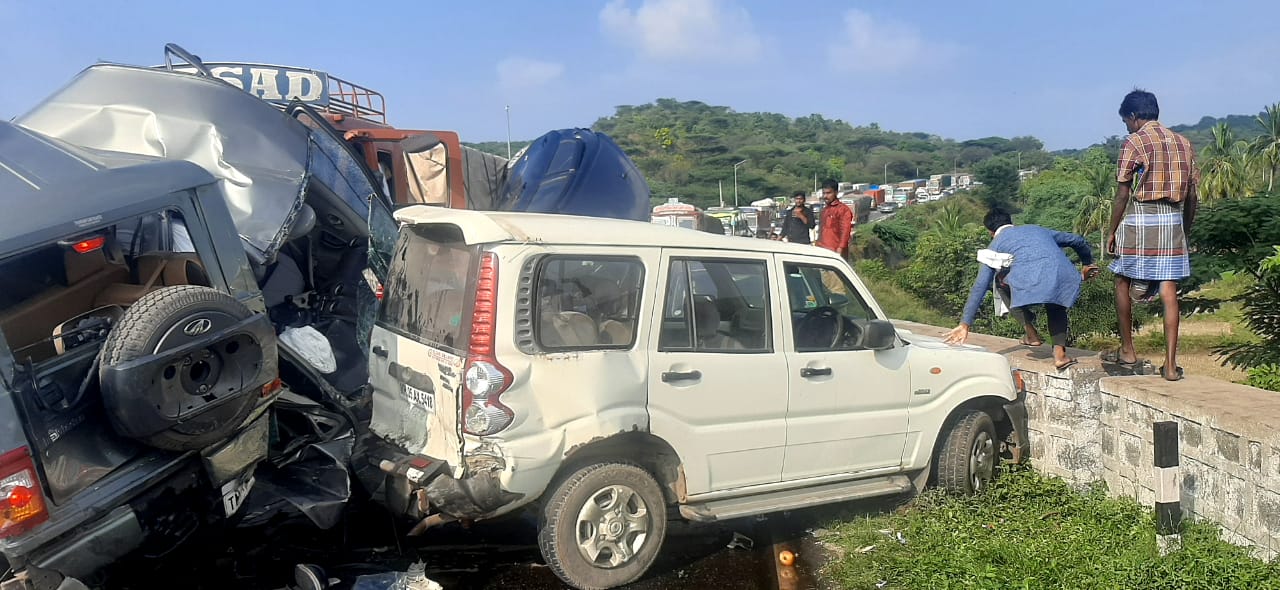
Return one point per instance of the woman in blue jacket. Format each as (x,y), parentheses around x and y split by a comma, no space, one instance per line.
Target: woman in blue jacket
(1038,273)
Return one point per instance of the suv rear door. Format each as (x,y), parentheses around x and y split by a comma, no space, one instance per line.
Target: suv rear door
(717,384)
(419,342)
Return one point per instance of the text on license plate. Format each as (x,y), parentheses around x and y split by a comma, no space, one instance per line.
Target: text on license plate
(235,491)
(423,399)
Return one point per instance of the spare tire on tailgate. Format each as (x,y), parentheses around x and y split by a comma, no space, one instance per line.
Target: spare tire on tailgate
(185,366)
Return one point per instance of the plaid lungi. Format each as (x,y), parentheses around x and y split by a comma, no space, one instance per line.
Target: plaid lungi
(1150,244)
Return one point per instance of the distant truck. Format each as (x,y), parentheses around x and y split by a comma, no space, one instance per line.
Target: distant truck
(938,182)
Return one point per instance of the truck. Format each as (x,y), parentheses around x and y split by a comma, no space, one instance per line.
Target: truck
(938,182)
(431,166)
(877,194)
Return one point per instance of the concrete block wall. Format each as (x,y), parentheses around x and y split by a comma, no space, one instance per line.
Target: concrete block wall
(1093,423)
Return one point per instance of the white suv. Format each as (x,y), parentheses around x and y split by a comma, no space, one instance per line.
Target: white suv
(613,372)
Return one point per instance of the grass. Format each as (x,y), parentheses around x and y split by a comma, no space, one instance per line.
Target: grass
(1029,531)
(901,305)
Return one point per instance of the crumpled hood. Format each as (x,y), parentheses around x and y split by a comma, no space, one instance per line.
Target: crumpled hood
(260,152)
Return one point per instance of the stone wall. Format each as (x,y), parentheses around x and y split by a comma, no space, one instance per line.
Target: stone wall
(1093,422)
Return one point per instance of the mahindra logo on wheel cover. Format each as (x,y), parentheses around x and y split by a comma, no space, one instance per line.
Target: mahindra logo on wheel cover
(197,327)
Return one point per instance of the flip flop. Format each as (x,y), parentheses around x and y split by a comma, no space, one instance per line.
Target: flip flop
(1113,357)
(1025,343)
(1181,374)
(1065,365)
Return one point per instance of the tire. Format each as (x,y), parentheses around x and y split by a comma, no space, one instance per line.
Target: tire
(967,456)
(153,325)
(568,515)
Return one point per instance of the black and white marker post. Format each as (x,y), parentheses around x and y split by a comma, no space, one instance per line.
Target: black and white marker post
(1168,502)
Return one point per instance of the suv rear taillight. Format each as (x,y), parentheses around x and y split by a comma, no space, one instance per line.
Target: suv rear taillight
(21,501)
(484,379)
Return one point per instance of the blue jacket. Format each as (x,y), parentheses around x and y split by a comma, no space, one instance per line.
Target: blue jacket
(1040,273)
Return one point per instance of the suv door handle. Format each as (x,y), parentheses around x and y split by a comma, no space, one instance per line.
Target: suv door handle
(807,372)
(380,351)
(669,376)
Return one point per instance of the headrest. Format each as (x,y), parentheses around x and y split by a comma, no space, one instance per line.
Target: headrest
(79,266)
(706,314)
(303,223)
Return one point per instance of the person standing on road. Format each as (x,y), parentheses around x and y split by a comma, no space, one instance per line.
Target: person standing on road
(1036,272)
(836,227)
(798,222)
(1155,205)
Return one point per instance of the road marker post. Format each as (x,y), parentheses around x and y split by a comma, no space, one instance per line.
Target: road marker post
(1167,489)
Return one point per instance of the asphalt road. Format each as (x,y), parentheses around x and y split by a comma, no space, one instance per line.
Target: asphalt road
(491,556)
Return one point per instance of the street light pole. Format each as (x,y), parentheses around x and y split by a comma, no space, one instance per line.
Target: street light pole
(735,182)
(886,173)
(508,132)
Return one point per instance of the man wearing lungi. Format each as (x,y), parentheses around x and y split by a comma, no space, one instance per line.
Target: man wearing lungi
(1155,205)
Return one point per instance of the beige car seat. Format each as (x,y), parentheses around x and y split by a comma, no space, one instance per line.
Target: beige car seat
(569,329)
(35,320)
(156,270)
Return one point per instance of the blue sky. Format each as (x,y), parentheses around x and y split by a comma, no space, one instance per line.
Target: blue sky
(1056,70)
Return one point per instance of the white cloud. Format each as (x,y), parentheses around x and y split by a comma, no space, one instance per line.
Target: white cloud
(683,30)
(879,46)
(522,73)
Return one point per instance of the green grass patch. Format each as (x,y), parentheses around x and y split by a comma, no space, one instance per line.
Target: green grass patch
(1029,531)
(901,305)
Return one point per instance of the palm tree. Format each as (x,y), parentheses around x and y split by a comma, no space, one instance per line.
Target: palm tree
(1225,164)
(1095,209)
(1266,147)
(950,222)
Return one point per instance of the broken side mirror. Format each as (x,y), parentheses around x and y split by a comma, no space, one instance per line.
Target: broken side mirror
(879,335)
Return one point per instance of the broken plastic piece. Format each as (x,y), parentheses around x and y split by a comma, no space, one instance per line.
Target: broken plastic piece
(413,579)
(312,346)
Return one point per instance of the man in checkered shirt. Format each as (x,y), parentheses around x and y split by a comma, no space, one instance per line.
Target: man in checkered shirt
(1155,204)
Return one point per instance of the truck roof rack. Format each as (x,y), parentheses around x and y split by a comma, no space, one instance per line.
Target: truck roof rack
(282,84)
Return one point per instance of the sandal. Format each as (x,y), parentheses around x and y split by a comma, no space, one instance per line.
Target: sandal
(1025,343)
(1113,357)
(1065,365)
(1180,374)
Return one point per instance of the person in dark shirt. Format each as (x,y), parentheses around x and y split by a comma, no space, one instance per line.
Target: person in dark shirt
(798,221)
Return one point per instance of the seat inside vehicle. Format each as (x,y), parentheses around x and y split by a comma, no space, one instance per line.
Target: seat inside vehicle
(706,313)
(61,284)
(153,271)
(569,329)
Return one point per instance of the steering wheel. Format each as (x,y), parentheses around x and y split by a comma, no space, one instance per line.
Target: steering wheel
(816,320)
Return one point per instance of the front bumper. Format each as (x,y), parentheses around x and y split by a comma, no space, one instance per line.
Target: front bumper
(1017,413)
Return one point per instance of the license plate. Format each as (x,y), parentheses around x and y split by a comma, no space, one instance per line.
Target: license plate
(423,399)
(234,492)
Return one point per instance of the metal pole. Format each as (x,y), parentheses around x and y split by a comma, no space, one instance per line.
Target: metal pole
(735,182)
(508,132)
(721,183)
(1168,496)
(886,173)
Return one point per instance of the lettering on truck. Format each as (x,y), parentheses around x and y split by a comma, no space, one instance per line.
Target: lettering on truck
(271,83)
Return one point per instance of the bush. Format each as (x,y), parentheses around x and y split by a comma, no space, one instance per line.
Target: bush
(1093,315)
(1265,377)
(944,268)
(1261,312)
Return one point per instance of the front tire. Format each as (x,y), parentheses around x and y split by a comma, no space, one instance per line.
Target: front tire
(967,457)
(603,526)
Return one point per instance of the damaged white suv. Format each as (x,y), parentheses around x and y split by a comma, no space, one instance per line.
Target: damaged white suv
(609,373)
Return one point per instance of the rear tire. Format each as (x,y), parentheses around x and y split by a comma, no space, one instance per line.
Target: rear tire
(967,454)
(603,526)
(150,326)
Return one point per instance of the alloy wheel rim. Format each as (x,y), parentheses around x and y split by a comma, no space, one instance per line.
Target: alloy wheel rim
(612,526)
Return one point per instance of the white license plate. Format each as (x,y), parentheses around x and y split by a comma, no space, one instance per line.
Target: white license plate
(423,399)
(235,491)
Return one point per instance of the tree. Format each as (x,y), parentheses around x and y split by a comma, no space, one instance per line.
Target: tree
(1224,167)
(1262,315)
(1095,209)
(1266,147)
(1000,177)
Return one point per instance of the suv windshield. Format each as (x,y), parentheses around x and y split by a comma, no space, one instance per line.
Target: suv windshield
(428,284)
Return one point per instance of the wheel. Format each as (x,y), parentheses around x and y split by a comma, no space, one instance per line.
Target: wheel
(202,396)
(603,526)
(967,456)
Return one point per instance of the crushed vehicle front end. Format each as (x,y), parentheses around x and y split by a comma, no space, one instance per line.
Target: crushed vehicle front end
(279,222)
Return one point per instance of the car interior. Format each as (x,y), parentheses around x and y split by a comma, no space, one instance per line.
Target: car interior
(728,304)
(588,304)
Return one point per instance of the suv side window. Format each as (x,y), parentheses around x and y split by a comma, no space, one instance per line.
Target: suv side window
(827,313)
(726,310)
(587,303)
